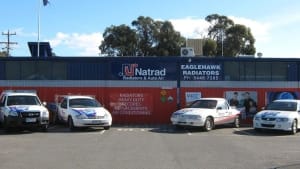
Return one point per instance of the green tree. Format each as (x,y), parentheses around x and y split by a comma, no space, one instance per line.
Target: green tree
(169,41)
(239,41)
(147,38)
(232,39)
(3,54)
(147,30)
(210,48)
(119,41)
(219,24)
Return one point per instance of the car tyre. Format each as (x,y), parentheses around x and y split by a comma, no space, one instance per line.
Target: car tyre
(6,126)
(45,127)
(257,129)
(208,125)
(236,122)
(71,124)
(178,127)
(106,127)
(294,127)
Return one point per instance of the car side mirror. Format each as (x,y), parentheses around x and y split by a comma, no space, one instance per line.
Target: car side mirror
(45,103)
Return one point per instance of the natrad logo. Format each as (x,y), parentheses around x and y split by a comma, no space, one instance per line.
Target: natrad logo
(134,72)
(129,69)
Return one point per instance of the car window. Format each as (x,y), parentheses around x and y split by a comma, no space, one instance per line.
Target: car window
(64,104)
(206,104)
(2,101)
(22,100)
(83,103)
(223,106)
(283,106)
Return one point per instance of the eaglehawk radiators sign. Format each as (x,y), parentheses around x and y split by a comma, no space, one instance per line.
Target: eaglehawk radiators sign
(202,72)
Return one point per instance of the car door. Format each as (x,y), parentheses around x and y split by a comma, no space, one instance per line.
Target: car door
(2,108)
(64,110)
(222,112)
(298,110)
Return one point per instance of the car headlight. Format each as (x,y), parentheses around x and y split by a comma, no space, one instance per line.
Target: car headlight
(282,119)
(174,115)
(13,113)
(256,118)
(80,116)
(107,115)
(45,114)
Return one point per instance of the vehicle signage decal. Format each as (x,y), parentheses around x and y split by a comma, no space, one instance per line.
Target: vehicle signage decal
(87,112)
(270,114)
(225,119)
(19,108)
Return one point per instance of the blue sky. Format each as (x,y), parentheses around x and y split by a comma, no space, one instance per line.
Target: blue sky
(75,27)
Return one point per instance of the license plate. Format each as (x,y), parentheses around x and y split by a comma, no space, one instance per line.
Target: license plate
(30,120)
(268,122)
(182,120)
(95,122)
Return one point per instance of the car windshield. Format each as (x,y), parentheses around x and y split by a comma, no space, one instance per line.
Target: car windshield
(22,100)
(84,103)
(206,104)
(284,106)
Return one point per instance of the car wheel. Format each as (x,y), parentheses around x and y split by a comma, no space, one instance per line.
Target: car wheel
(208,125)
(106,127)
(6,126)
(294,127)
(178,127)
(257,129)
(236,122)
(45,127)
(58,119)
(71,124)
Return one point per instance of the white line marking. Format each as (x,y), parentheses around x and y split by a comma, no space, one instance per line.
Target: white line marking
(102,132)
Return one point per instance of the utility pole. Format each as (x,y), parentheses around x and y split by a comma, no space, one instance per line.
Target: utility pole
(8,43)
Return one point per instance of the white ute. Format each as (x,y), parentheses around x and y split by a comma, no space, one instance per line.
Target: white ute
(206,112)
(279,115)
(22,109)
(82,111)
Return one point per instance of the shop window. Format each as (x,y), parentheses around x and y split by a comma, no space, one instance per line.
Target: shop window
(59,71)
(263,71)
(28,70)
(231,71)
(247,71)
(279,71)
(13,70)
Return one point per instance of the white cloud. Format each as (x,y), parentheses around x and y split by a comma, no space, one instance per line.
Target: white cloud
(260,31)
(198,28)
(191,27)
(80,44)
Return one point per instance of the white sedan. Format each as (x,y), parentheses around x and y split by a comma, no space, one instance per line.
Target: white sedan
(206,112)
(83,111)
(279,115)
